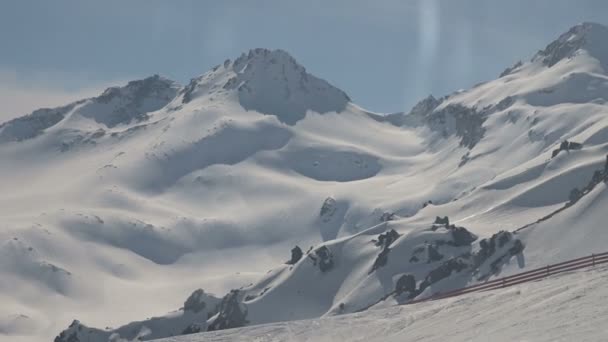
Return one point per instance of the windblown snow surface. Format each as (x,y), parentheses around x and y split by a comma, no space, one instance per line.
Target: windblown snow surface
(118,208)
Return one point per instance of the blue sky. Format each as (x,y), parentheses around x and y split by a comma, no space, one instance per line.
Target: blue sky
(385,54)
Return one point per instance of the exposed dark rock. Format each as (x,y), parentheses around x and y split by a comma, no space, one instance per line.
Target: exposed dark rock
(386,239)
(426,106)
(488,246)
(433,254)
(453,265)
(489,251)
(406,283)
(296,255)
(462,121)
(70,334)
(445,220)
(328,209)
(323,258)
(575,195)
(195,302)
(231,313)
(566,146)
(565,46)
(32,125)
(597,177)
(381,259)
(461,236)
(387,216)
(517,247)
(509,70)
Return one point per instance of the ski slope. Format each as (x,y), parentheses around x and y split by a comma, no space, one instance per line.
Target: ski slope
(560,308)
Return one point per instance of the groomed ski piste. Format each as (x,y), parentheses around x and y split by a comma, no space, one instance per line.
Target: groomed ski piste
(260,194)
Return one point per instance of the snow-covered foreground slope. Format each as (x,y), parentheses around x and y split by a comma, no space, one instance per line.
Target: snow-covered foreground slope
(560,308)
(117,208)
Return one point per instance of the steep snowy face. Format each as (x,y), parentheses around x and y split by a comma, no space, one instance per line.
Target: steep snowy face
(589,37)
(115,106)
(270,82)
(123,105)
(31,125)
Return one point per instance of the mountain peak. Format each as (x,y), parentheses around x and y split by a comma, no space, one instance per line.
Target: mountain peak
(270,82)
(587,36)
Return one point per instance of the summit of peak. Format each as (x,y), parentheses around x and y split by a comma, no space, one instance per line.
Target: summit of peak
(270,82)
(587,36)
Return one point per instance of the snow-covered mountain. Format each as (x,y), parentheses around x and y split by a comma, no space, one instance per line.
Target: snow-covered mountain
(118,207)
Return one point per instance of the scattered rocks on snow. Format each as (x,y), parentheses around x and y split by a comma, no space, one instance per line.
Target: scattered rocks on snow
(464,122)
(489,252)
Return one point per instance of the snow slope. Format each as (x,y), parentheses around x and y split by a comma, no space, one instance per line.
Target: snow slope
(561,308)
(116,208)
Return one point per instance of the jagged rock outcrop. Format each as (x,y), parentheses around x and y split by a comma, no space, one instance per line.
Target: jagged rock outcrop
(386,239)
(296,255)
(566,146)
(387,216)
(115,106)
(464,122)
(32,125)
(510,70)
(405,284)
(461,236)
(442,221)
(381,259)
(585,36)
(323,258)
(453,265)
(196,301)
(432,254)
(232,313)
(189,319)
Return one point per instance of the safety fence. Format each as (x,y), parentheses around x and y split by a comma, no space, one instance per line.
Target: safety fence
(524,277)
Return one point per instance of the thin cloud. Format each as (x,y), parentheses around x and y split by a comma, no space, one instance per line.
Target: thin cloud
(21,94)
